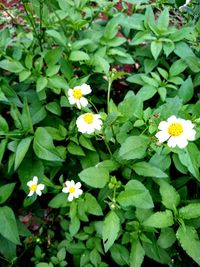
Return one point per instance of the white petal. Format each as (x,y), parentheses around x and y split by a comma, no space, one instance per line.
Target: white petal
(162,136)
(86,89)
(83,102)
(30,183)
(172,119)
(38,192)
(72,100)
(181,142)
(40,187)
(78,185)
(70,92)
(35,180)
(163,125)
(79,192)
(70,197)
(172,142)
(191,135)
(65,190)
(30,193)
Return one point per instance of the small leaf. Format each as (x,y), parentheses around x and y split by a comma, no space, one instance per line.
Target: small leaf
(160,219)
(170,197)
(95,177)
(11,65)
(21,151)
(111,227)
(186,90)
(78,56)
(59,201)
(5,192)
(156,47)
(190,211)
(92,206)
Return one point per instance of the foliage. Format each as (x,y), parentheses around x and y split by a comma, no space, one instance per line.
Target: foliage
(140,198)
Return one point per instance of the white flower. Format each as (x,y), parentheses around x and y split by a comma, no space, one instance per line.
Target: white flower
(88,123)
(76,95)
(73,189)
(34,187)
(176,131)
(186,3)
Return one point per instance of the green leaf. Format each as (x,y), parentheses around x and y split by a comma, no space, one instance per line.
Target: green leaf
(8,225)
(110,231)
(134,147)
(5,191)
(120,254)
(54,108)
(170,197)
(21,151)
(177,67)
(11,65)
(190,159)
(78,56)
(59,201)
(160,219)
(146,92)
(41,83)
(58,37)
(137,254)
(189,241)
(163,20)
(111,28)
(86,142)
(44,147)
(92,206)
(95,177)
(156,47)
(75,149)
(131,107)
(166,238)
(135,194)
(190,211)
(146,169)
(186,90)
(7,249)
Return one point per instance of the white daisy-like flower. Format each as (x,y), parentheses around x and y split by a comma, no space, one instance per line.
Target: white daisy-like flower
(177,131)
(73,189)
(34,187)
(88,123)
(76,95)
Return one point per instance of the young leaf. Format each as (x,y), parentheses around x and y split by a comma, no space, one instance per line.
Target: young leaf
(135,194)
(160,219)
(186,90)
(190,158)
(189,241)
(21,151)
(190,211)
(137,254)
(59,201)
(167,238)
(170,197)
(163,20)
(111,227)
(156,47)
(92,206)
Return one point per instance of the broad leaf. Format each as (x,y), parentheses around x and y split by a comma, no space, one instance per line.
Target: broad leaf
(170,197)
(160,219)
(5,192)
(21,151)
(111,227)
(137,254)
(146,169)
(189,241)
(135,194)
(190,211)
(8,225)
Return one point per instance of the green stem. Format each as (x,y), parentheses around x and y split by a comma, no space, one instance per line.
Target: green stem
(108,94)
(93,106)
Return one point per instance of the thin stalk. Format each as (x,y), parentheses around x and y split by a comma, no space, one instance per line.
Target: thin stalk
(108,94)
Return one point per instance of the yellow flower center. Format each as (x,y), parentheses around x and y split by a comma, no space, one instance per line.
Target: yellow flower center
(175,129)
(88,118)
(33,187)
(77,93)
(72,189)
